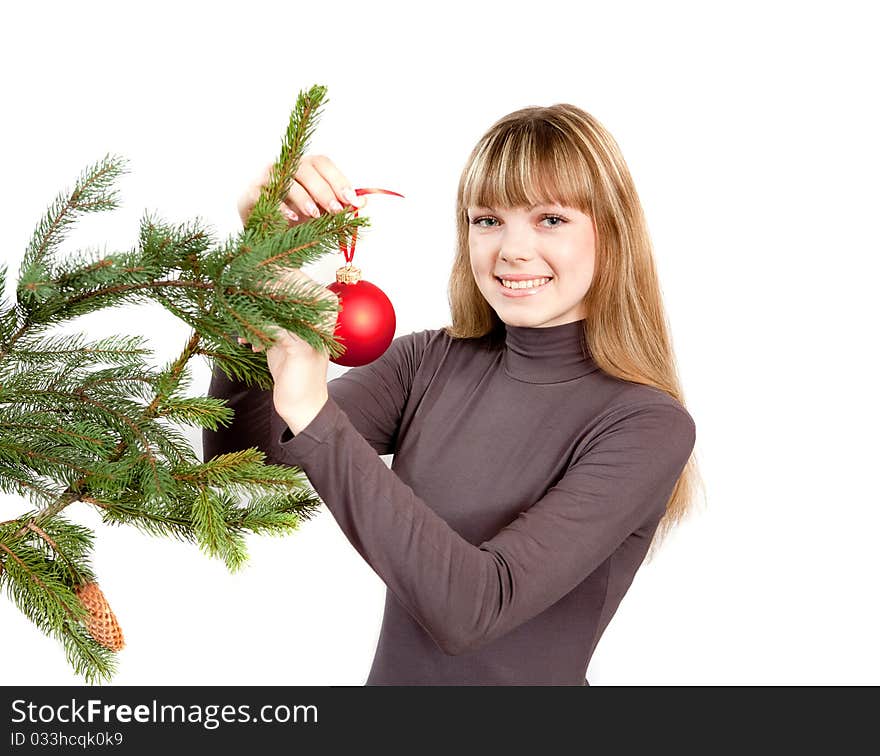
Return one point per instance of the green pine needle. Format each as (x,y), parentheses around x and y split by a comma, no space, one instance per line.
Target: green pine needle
(92,421)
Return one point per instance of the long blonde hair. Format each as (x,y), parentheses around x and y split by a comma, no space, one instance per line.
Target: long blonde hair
(563,154)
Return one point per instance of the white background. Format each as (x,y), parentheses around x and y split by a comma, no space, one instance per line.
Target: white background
(751,131)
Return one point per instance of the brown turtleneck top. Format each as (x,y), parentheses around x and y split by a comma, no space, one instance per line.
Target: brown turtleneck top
(525,487)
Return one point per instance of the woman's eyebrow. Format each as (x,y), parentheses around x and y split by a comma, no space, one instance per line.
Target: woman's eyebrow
(530,207)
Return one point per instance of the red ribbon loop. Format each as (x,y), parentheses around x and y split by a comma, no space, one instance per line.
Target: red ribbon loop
(349,253)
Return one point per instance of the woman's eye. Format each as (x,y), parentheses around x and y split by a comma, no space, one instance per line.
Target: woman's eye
(479,221)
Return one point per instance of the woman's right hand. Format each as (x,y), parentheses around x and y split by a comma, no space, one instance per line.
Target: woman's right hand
(317,183)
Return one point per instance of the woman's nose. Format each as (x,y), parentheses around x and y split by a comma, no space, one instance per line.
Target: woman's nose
(511,252)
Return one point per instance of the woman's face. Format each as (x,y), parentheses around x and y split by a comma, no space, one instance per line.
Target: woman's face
(547,241)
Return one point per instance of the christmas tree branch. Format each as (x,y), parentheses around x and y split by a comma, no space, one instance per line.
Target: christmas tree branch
(34,585)
(77,575)
(85,429)
(280,181)
(87,196)
(69,606)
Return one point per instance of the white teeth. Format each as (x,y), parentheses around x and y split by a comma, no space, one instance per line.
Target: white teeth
(524,284)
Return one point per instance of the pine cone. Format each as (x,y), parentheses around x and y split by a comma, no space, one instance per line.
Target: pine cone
(101,623)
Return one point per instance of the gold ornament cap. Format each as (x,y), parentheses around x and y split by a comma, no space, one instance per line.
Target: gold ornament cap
(348,274)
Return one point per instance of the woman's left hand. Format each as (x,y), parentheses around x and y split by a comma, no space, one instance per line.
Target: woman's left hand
(299,372)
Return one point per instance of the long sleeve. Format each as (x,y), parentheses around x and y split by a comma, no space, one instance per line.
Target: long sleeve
(466,595)
(373,396)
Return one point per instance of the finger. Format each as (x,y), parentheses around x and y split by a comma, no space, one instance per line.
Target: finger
(286,277)
(337,181)
(320,191)
(300,198)
(288,338)
(320,187)
(288,213)
(287,210)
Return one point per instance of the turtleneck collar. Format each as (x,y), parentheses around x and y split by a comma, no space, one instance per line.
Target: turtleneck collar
(547,355)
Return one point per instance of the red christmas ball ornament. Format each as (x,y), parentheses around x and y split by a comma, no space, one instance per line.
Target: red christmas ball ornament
(366,321)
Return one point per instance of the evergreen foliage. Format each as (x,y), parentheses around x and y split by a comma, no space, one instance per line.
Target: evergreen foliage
(92,422)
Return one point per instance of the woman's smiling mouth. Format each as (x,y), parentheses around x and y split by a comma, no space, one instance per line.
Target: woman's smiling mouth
(522,288)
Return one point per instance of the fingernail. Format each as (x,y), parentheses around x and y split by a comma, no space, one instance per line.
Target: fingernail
(312,209)
(290,214)
(351,197)
(335,207)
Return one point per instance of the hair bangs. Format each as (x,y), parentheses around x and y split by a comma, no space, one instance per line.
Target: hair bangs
(525,165)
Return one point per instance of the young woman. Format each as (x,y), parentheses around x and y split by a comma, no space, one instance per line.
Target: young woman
(540,441)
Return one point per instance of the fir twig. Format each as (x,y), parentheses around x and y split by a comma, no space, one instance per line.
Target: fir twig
(74,431)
